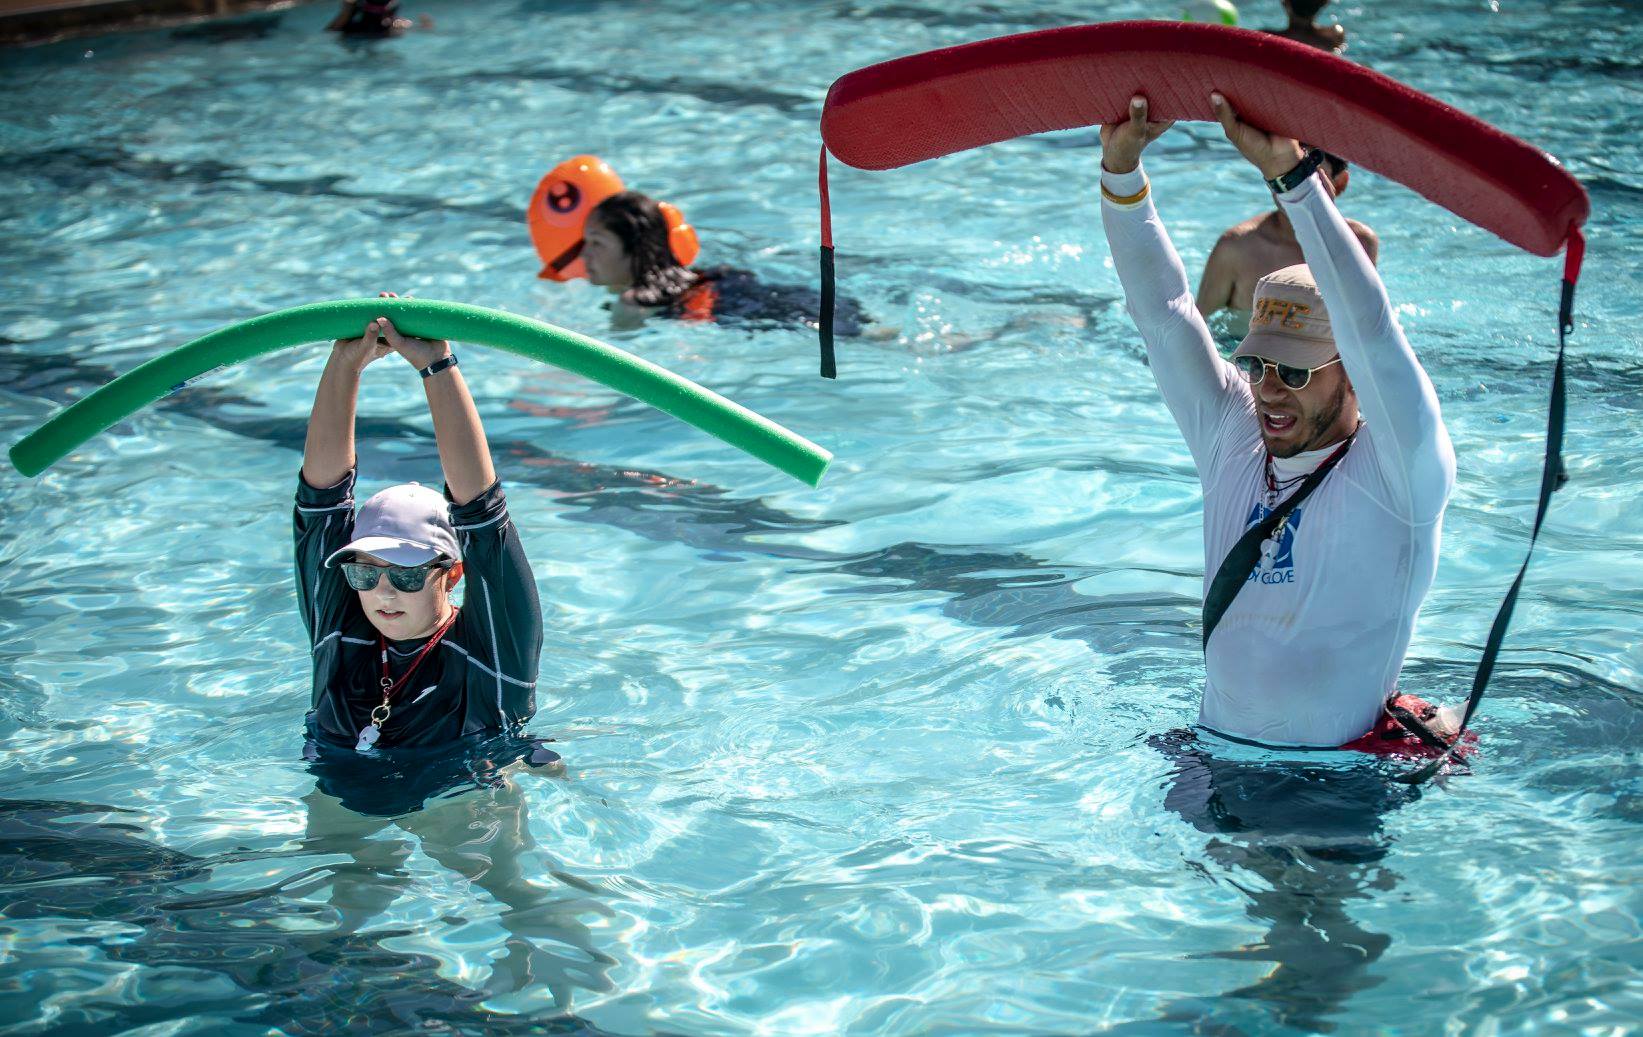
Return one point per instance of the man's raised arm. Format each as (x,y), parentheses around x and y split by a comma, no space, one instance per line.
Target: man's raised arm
(1198,386)
(1395,396)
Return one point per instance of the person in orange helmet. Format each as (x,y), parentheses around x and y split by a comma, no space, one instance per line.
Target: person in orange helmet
(584,222)
(626,249)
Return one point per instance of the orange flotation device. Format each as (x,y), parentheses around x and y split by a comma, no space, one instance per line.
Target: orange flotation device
(559,210)
(681,236)
(560,207)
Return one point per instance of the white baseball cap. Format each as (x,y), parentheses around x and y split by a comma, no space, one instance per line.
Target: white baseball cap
(406,524)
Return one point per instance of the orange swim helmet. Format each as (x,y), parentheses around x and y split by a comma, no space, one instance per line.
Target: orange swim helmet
(560,207)
(559,210)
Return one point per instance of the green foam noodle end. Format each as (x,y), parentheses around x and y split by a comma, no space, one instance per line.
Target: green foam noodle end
(422,318)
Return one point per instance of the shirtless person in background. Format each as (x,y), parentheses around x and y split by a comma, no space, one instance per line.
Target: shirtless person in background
(1258,246)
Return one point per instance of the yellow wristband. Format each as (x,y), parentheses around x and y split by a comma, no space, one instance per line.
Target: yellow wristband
(1127,201)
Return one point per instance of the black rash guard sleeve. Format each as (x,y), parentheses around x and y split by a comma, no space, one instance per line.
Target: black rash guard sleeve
(323,521)
(500,626)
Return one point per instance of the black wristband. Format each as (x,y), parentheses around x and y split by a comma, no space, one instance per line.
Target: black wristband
(439,365)
(1295,177)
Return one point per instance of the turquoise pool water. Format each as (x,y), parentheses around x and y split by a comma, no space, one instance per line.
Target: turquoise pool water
(886,757)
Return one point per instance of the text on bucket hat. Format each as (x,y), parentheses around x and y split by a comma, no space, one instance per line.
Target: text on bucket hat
(1289,323)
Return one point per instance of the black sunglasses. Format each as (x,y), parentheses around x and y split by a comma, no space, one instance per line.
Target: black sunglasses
(362,576)
(1253,368)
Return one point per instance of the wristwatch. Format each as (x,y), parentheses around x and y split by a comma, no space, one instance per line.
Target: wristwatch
(1289,181)
(439,365)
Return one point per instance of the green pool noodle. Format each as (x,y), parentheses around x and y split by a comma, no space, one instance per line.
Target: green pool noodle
(421,318)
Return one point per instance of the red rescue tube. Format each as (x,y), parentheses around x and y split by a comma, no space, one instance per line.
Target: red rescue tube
(942,101)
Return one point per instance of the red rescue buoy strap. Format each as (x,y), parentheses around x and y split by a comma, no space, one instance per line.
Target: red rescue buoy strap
(829,369)
(1552,477)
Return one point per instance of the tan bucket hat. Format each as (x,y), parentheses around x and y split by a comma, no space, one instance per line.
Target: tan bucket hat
(1290,323)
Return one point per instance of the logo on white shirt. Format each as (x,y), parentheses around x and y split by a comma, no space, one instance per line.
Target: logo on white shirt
(1281,567)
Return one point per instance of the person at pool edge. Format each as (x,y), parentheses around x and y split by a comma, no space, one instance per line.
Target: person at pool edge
(395,663)
(1309,651)
(364,19)
(1303,26)
(1256,247)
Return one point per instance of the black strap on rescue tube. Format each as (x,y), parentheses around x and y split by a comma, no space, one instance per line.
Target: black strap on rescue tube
(828,368)
(1552,478)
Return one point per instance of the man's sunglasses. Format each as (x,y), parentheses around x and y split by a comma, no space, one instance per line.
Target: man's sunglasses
(363,576)
(1253,368)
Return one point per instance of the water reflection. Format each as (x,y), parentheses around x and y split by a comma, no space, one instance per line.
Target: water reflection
(1301,842)
(482,834)
(291,964)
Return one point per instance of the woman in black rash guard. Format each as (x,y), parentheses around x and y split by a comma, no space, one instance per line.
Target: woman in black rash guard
(625,248)
(396,664)
(417,703)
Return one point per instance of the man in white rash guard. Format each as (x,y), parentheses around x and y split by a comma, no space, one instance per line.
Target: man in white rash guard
(1309,651)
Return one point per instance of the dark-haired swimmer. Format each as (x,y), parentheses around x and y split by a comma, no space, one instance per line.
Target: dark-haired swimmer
(626,250)
(1258,246)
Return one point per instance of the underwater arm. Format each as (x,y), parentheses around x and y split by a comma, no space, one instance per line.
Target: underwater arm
(340,21)
(625,315)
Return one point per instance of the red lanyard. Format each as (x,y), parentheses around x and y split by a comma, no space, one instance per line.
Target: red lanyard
(391,687)
(1272,483)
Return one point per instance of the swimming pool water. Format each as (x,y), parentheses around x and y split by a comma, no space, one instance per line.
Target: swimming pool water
(885,757)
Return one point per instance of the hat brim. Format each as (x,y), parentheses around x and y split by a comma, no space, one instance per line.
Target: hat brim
(1287,349)
(392,550)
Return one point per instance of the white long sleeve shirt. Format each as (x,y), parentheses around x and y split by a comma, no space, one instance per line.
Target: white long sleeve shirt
(1310,649)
